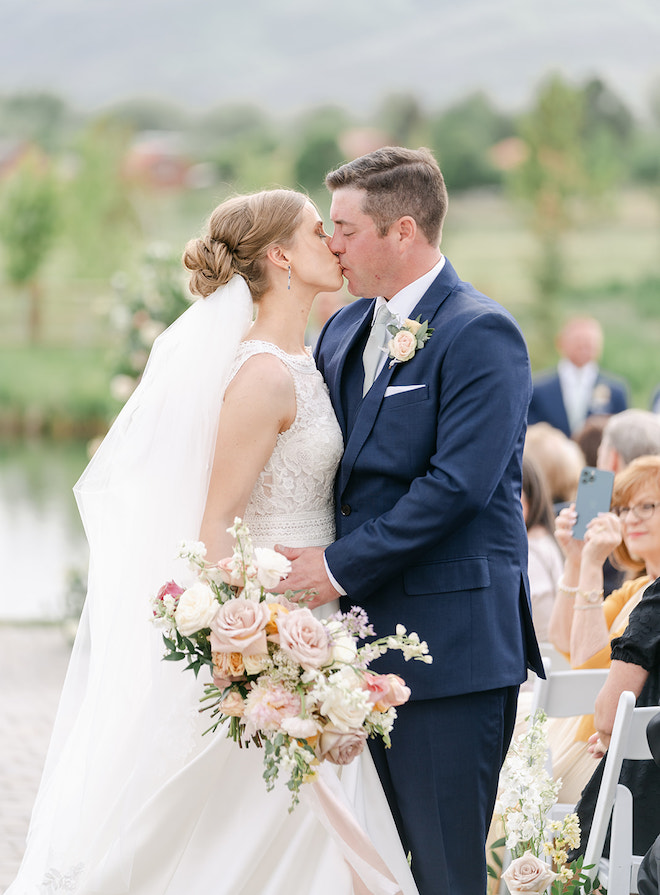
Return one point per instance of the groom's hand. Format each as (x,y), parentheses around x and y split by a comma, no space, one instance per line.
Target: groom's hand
(307,573)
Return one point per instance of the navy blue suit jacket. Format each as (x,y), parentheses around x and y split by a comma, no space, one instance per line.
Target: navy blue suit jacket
(547,406)
(430,532)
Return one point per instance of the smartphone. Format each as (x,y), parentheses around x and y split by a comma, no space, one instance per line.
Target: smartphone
(594,496)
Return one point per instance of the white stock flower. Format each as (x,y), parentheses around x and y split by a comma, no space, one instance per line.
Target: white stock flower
(194,551)
(344,647)
(344,701)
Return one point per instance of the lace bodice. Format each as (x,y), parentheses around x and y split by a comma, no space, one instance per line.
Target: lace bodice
(292,501)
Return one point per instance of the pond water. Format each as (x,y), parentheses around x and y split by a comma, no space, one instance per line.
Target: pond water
(43,550)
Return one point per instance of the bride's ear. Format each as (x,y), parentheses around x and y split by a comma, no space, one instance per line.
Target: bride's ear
(278,257)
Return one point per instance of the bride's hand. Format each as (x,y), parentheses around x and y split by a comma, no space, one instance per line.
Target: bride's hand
(308,573)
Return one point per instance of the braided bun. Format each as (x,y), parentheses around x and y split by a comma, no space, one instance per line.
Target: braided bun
(239,234)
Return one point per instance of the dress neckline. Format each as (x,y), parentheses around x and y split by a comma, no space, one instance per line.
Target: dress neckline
(306,356)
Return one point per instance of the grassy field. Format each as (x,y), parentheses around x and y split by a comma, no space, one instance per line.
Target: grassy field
(613,272)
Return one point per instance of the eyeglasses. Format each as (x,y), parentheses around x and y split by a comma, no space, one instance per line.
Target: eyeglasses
(642,511)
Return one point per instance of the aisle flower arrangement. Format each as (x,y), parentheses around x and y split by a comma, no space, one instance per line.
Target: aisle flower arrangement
(293,684)
(538,846)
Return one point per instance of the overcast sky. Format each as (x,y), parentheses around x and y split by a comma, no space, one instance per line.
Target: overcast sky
(297,53)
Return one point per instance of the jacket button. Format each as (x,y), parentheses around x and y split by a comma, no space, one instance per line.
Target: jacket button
(345,509)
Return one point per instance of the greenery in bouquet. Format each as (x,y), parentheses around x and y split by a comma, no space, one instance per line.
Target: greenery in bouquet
(538,845)
(296,685)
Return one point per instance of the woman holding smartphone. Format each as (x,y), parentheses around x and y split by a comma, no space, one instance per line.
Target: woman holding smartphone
(583,624)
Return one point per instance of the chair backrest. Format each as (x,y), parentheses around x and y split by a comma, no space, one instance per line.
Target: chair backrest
(564,694)
(628,742)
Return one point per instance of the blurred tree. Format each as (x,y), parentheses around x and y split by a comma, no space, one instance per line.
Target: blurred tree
(607,130)
(319,154)
(317,132)
(146,114)
(461,138)
(40,118)
(400,115)
(28,221)
(101,219)
(552,175)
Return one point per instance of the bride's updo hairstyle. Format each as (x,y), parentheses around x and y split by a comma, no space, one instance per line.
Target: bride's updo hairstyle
(239,233)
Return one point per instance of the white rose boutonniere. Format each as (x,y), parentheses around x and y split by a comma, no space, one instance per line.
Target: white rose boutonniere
(407,338)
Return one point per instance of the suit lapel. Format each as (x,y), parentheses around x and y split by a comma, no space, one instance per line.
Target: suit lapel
(335,372)
(428,307)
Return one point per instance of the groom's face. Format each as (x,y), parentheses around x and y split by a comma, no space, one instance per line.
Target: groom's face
(367,259)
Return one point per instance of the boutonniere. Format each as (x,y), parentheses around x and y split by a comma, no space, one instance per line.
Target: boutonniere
(407,338)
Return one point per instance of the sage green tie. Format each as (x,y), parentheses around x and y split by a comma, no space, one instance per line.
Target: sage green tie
(378,338)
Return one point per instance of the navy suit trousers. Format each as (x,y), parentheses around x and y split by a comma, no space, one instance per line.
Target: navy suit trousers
(440,778)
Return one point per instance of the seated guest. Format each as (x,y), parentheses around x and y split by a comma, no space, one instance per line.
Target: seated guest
(576,388)
(546,561)
(582,624)
(560,460)
(590,436)
(635,667)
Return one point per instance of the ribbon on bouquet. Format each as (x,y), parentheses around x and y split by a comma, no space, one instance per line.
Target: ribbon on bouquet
(370,873)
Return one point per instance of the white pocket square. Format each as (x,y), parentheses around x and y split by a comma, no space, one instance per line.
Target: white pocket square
(397,389)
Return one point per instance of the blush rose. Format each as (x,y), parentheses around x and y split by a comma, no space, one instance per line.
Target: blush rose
(403,346)
(240,626)
(304,638)
(338,746)
(528,874)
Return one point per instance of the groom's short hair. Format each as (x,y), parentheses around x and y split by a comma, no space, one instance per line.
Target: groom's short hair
(397,182)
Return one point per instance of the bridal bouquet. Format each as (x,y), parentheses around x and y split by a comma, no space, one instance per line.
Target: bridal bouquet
(537,844)
(297,686)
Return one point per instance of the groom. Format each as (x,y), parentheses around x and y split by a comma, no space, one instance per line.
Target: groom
(430,532)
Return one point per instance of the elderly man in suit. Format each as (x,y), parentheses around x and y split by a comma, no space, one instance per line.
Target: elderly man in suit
(430,532)
(576,389)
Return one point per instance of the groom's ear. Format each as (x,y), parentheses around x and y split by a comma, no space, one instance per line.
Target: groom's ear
(405,229)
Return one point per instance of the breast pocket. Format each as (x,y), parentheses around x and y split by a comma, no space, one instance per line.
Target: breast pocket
(406,398)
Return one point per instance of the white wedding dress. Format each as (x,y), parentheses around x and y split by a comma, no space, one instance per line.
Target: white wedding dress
(194,816)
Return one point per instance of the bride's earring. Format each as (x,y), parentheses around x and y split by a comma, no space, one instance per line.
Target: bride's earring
(288,285)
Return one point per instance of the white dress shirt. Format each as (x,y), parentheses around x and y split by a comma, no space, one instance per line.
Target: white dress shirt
(577,385)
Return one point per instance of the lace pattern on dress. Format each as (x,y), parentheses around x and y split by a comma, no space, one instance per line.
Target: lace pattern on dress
(54,881)
(292,500)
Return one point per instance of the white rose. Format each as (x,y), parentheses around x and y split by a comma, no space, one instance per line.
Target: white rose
(528,874)
(345,703)
(272,567)
(344,647)
(196,610)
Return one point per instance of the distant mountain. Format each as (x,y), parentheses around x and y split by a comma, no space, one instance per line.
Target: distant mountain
(295,53)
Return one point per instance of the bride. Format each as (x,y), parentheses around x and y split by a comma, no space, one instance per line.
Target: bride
(231,419)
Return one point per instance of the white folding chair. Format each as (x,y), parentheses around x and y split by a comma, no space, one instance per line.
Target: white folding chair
(566,694)
(618,874)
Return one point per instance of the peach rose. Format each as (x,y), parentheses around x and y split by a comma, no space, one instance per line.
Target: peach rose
(240,626)
(233,704)
(254,664)
(275,610)
(227,667)
(305,639)
(339,747)
(403,345)
(528,874)
(413,325)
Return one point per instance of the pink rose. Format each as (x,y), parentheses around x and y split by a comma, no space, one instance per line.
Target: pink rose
(304,638)
(386,690)
(240,627)
(403,345)
(528,874)
(227,572)
(339,747)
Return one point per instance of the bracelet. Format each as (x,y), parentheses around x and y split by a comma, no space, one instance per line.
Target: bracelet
(593,597)
(564,589)
(587,606)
